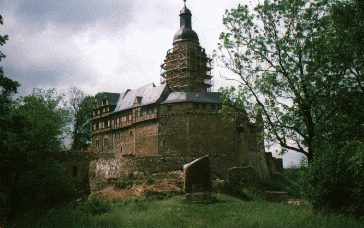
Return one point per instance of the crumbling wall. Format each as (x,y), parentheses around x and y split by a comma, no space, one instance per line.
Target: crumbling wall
(102,172)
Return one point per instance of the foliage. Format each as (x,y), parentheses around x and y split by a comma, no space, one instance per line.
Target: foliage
(149,180)
(81,105)
(284,55)
(335,180)
(96,206)
(123,184)
(7,86)
(31,177)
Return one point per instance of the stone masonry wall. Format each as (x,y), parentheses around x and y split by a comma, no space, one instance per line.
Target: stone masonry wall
(104,171)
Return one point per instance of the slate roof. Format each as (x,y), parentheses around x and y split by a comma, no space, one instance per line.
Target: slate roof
(148,94)
(111,97)
(200,97)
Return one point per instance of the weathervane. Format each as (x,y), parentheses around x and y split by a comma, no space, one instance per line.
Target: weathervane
(185,2)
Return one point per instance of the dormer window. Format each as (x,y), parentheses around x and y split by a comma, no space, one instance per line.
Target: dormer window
(104,101)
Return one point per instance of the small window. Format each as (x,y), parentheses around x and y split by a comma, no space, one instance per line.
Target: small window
(163,142)
(199,141)
(106,142)
(203,106)
(131,133)
(136,113)
(196,106)
(74,171)
(213,106)
(141,112)
(148,110)
(169,108)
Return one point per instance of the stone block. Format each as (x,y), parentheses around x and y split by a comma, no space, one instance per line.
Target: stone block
(198,185)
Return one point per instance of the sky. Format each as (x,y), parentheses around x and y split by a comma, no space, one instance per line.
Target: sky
(103,46)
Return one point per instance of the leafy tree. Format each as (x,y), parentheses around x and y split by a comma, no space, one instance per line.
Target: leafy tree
(283,55)
(335,180)
(32,139)
(81,105)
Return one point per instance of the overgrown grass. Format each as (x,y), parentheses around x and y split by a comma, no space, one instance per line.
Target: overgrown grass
(176,212)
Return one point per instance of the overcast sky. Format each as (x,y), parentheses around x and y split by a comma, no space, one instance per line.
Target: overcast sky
(102,46)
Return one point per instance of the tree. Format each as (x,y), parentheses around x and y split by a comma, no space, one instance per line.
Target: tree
(81,105)
(284,59)
(31,141)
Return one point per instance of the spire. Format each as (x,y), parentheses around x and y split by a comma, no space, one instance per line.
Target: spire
(185,32)
(185,17)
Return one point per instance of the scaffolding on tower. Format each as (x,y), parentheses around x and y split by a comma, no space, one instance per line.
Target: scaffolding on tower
(187,68)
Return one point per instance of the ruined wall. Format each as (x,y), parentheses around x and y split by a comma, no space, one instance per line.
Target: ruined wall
(76,165)
(104,171)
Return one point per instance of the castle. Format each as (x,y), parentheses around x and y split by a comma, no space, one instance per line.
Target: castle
(176,121)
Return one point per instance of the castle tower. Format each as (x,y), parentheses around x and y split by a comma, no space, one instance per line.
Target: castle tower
(186,67)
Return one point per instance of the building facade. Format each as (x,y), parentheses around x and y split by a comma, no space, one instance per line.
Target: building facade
(179,117)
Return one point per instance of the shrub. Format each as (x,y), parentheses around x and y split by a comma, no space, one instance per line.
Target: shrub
(150,194)
(335,180)
(96,206)
(123,184)
(149,180)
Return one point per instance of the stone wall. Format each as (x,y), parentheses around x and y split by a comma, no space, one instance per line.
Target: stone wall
(76,165)
(104,171)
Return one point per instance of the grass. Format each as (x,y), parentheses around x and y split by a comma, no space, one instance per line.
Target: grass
(226,211)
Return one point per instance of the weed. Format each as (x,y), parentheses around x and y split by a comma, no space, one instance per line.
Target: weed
(123,184)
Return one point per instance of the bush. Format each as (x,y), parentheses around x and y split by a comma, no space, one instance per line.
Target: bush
(96,206)
(335,180)
(123,184)
(149,180)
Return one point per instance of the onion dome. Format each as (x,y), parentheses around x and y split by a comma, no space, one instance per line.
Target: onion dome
(185,33)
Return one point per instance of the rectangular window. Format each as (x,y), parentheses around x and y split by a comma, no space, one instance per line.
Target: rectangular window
(136,113)
(131,133)
(74,171)
(213,106)
(148,110)
(153,109)
(106,142)
(203,106)
(141,112)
